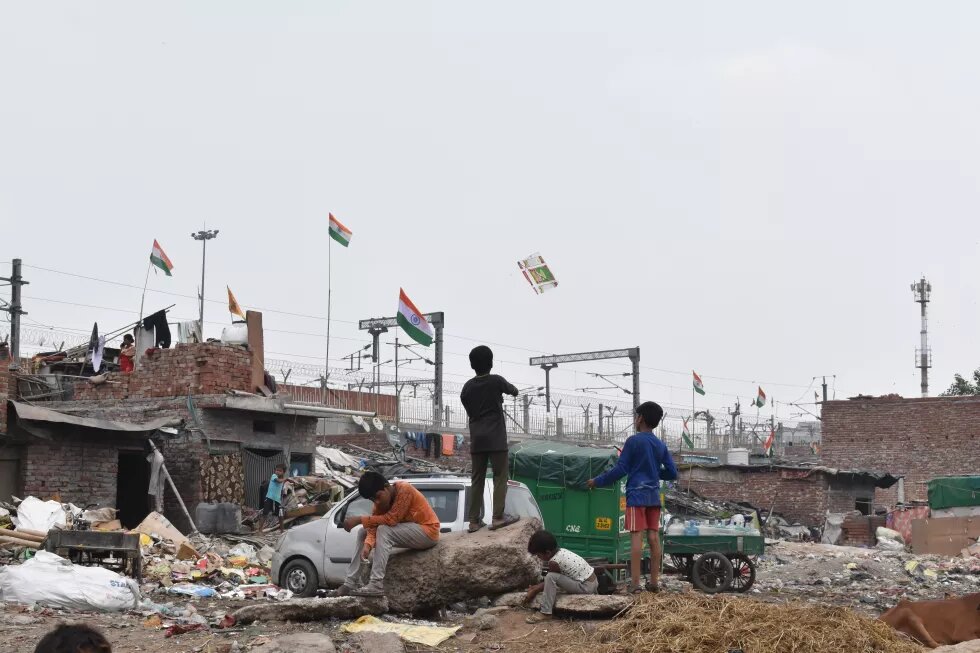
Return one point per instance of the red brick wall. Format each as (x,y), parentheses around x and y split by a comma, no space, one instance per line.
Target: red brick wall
(798,495)
(187,369)
(81,471)
(916,438)
(379,442)
(342,399)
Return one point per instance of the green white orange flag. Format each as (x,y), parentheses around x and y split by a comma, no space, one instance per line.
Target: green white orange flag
(686,434)
(698,385)
(160,259)
(760,400)
(769,441)
(411,320)
(233,306)
(339,232)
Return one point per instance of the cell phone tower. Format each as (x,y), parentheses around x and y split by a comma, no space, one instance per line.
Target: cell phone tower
(923,355)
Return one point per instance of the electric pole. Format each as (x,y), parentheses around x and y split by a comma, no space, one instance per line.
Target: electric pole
(923,355)
(204,236)
(15,309)
(825,389)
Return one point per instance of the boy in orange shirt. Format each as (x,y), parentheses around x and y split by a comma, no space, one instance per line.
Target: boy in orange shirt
(402,518)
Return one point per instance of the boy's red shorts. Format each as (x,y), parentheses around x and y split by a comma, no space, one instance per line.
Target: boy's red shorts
(642,518)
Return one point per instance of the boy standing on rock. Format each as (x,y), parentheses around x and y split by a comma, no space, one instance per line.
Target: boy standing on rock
(483,399)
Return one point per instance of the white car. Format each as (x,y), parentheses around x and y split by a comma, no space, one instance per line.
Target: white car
(317,554)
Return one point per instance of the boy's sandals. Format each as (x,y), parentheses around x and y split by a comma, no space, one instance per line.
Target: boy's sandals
(539,618)
(474,527)
(507,520)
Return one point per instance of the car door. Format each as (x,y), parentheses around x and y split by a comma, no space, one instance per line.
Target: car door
(338,545)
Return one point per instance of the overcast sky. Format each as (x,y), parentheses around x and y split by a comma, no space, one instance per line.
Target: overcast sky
(746,189)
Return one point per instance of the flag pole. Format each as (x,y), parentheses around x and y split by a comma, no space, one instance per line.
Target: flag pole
(143,298)
(326,368)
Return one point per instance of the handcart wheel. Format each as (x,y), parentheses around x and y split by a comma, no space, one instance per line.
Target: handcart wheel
(743,572)
(712,573)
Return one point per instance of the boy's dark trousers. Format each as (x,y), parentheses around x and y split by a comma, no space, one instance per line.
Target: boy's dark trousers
(497,460)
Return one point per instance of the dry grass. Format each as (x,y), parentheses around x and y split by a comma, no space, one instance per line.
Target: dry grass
(696,623)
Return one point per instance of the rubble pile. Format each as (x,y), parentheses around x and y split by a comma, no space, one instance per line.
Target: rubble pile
(870,580)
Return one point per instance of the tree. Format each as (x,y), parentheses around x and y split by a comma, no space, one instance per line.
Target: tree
(962,387)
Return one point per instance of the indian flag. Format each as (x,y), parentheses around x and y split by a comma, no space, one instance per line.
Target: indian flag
(160,259)
(339,232)
(411,320)
(686,434)
(769,441)
(760,400)
(698,385)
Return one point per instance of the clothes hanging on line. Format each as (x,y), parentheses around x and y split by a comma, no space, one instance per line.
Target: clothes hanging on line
(448,444)
(433,446)
(157,323)
(460,441)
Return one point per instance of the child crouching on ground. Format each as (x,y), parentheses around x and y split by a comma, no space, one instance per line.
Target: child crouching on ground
(568,573)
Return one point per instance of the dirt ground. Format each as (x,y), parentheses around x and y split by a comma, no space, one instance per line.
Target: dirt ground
(867,580)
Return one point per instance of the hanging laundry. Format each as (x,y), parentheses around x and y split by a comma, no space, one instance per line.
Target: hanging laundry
(188,332)
(97,354)
(433,445)
(158,324)
(448,442)
(460,441)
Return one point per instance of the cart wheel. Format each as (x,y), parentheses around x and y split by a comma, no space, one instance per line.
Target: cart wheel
(712,573)
(743,572)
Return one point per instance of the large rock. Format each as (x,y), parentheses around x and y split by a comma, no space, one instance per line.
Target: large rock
(345,607)
(594,606)
(462,566)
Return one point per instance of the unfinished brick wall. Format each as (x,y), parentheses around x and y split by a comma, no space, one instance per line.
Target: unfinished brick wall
(917,438)
(798,495)
(187,369)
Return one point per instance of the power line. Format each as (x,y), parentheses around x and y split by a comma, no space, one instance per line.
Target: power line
(449,335)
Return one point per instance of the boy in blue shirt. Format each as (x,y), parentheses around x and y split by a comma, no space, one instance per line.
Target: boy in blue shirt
(273,498)
(645,461)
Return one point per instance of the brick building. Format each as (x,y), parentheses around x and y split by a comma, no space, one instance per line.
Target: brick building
(918,439)
(800,494)
(86,443)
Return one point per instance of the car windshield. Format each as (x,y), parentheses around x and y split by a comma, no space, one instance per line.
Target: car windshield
(519,502)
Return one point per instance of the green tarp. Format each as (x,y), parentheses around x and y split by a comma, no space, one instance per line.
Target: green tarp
(954,492)
(567,464)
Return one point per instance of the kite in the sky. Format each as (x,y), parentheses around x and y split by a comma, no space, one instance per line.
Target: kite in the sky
(537,273)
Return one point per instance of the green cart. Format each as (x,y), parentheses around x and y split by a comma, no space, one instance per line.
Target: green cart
(714,563)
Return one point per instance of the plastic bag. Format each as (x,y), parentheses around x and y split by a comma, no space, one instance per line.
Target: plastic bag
(36,515)
(246,551)
(187,589)
(52,581)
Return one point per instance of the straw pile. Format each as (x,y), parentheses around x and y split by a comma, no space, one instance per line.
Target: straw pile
(696,623)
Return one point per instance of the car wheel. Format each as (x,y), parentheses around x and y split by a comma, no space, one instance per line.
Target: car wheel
(299,577)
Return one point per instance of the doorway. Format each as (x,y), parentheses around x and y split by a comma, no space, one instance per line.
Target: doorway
(132,485)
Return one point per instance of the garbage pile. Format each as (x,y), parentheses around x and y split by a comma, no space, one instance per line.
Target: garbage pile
(868,579)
